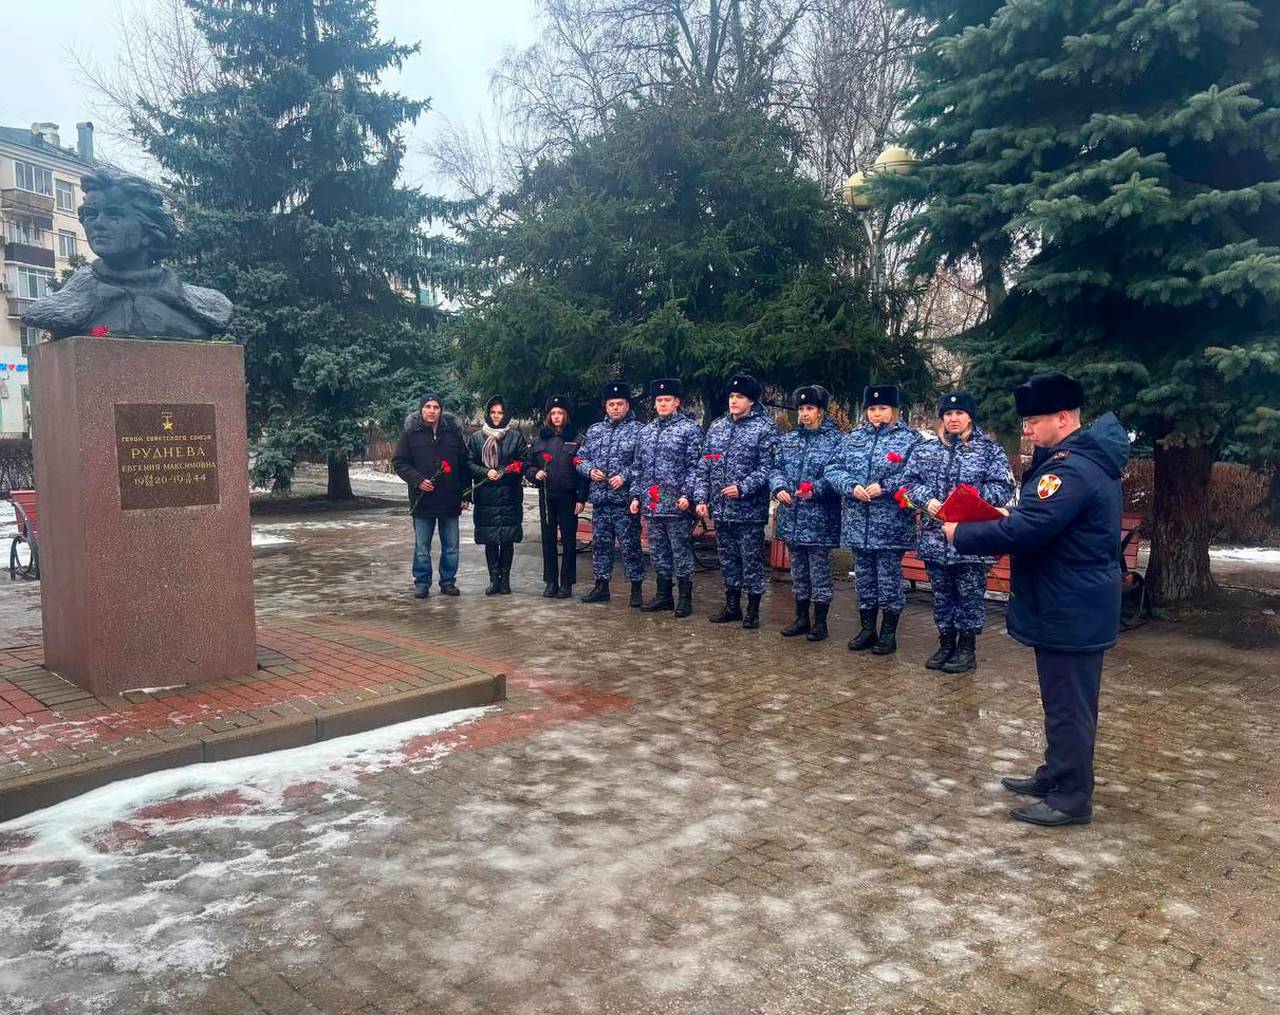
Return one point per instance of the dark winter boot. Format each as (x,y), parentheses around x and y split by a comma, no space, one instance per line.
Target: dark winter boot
(684,606)
(751,619)
(965,657)
(599,593)
(946,649)
(801,624)
(550,590)
(865,638)
(887,643)
(565,592)
(661,597)
(732,607)
(495,581)
(637,594)
(505,578)
(819,632)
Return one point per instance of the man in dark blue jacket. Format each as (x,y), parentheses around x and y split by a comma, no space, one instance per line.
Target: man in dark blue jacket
(1064,542)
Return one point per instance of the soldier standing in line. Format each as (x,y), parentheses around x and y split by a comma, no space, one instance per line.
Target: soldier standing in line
(606,457)
(1064,601)
(962,454)
(662,477)
(809,508)
(733,489)
(867,472)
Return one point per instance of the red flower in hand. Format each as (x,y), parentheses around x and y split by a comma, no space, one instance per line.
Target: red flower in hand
(806,488)
(99,331)
(713,458)
(517,467)
(655,495)
(547,456)
(577,459)
(903,500)
(895,458)
(445,467)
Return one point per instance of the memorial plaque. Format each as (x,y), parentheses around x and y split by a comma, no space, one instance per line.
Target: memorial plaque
(168,455)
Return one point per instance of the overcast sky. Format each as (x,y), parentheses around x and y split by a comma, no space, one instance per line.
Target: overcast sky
(461,42)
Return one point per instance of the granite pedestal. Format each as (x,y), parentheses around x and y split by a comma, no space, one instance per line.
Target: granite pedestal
(141,462)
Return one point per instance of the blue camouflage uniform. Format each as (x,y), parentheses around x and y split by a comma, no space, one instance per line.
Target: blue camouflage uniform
(1065,561)
(935,469)
(879,532)
(666,457)
(610,447)
(738,452)
(810,528)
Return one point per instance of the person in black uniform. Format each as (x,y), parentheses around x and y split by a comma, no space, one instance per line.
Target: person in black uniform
(553,468)
(1064,542)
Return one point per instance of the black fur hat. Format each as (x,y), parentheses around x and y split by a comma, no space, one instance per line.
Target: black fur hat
(666,386)
(881,394)
(616,389)
(958,400)
(1046,393)
(558,402)
(745,385)
(812,395)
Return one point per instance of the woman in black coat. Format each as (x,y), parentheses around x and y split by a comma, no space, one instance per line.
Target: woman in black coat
(496,458)
(553,467)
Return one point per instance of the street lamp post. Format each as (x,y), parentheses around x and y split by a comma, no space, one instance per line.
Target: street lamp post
(895,160)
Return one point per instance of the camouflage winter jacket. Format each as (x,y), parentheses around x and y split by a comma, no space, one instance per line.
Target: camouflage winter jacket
(665,465)
(611,448)
(737,453)
(875,454)
(803,457)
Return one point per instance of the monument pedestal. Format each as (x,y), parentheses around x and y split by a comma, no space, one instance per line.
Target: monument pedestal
(141,463)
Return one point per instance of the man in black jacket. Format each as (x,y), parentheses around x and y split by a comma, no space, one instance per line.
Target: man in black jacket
(431,457)
(1064,601)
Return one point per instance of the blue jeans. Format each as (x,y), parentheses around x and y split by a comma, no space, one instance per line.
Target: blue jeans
(424,530)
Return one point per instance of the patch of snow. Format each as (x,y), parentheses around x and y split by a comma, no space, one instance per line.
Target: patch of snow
(1248,554)
(346,523)
(371,475)
(267,539)
(153,690)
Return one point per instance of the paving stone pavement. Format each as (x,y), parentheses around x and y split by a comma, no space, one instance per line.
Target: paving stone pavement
(672,817)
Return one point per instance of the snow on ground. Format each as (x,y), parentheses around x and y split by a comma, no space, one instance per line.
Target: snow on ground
(1262,555)
(7,517)
(139,877)
(370,474)
(267,539)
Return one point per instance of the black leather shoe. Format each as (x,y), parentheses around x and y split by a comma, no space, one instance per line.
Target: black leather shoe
(1027,787)
(420,593)
(1043,814)
(566,592)
(449,589)
(550,590)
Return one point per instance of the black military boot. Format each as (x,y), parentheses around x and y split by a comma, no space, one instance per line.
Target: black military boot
(661,597)
(751,619)
(965,657)
(946,649)
(505,578)
(495,581)
(887,643)
(599,593)
(801,624)
(684,606)
(637,594)
(865,638)
(550,590)
(819,632)
(732,607)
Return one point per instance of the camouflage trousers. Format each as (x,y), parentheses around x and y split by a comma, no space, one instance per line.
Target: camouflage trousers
(612,523)
(811,573)
(671,545)
(740,547)
(878,576)
(959,603)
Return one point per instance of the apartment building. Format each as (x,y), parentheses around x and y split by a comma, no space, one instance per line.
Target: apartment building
(42,238)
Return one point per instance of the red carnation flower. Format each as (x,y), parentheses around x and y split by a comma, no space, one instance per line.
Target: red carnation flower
(547,456)
(445,467)
(517,467)
(577,459)
(903,500)
(894,457)
(655,494)
(806,487)
(99,331)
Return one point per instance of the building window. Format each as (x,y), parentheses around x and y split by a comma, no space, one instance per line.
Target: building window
(29,336)
(65,195)
(66,243)
(33,178)
(20,231)
(29,283)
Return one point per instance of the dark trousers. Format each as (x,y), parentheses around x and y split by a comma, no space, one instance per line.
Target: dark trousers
(498,556)
(1069,685)
(559,524)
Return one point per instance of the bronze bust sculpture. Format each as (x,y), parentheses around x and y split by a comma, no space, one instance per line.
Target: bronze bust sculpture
(125,290)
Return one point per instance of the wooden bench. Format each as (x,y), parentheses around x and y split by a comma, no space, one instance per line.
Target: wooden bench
(24,547)
(704,539)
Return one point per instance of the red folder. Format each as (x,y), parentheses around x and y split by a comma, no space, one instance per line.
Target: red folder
(965,505)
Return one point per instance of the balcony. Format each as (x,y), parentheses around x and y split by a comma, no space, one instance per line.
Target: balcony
(24,200)
(18,305)
(25,253)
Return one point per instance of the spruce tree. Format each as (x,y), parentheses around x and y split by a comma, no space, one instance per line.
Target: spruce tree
(286,175)
(1118,163)
(682,239)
